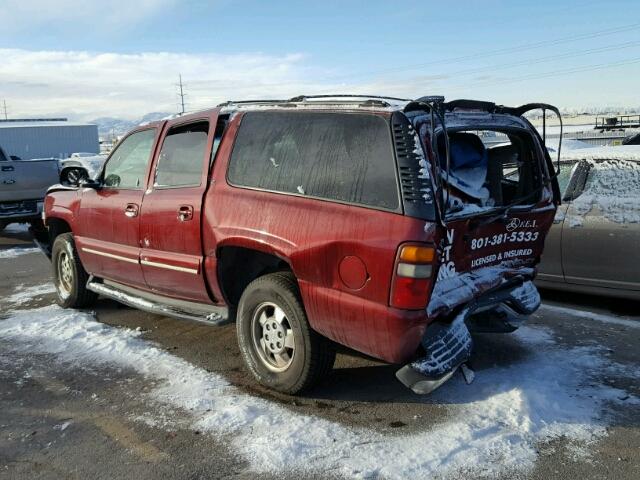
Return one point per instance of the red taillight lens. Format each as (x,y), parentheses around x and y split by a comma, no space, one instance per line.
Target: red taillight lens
(412,277)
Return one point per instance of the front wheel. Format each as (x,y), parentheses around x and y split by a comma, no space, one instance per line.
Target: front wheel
(69,276)
(277,344)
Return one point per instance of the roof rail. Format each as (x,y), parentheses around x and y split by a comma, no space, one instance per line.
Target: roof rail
(252,102)
(328,99)
(302,98)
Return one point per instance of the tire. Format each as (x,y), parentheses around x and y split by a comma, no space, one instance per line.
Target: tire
(305,356)
(69,276)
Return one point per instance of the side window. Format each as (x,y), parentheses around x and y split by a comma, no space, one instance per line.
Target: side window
(182,155)
(344,157)
(2,157)
(128,163)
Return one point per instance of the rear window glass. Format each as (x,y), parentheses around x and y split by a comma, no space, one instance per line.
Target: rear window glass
(343,157)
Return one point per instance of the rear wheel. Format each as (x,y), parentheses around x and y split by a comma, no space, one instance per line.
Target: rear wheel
(278,346)
(69,276)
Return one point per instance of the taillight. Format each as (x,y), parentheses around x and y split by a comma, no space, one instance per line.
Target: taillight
(412,277)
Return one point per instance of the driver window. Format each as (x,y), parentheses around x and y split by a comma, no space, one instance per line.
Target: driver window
(127,165)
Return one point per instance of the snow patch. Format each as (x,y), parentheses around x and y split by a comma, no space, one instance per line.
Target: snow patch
(17,228)
(17,251)
(25,294)
(614,189)
(493,427)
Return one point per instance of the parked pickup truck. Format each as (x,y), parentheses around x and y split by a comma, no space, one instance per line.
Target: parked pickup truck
(382,224)
(23,184)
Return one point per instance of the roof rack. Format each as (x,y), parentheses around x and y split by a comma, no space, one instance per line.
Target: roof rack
(253,102)
(339,98)
(303,98)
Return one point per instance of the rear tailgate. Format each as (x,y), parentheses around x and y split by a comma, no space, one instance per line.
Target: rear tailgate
(27,179)
(480,253)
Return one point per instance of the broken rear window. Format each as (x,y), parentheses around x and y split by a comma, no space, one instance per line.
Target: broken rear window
(489,168)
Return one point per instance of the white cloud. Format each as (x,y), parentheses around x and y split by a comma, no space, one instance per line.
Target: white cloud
(88,85)
(19,15)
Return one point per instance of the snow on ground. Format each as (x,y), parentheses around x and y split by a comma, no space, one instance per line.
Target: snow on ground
(25,294)
(16,228)
(622,152)
(494,426)
(17,251)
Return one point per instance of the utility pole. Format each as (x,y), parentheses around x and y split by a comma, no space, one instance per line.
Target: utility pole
(4,107)
(182,94)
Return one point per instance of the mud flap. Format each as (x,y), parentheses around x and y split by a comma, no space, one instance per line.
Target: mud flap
(448,346)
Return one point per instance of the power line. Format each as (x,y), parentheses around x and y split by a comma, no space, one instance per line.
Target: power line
(501,51)
(554,73)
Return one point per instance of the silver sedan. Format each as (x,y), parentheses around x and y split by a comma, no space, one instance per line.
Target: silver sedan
(594,242)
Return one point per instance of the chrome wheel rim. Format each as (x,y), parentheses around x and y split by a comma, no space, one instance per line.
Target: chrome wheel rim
(65,274)
(272,336)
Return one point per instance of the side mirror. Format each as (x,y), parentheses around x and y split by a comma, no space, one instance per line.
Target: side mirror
(89,183)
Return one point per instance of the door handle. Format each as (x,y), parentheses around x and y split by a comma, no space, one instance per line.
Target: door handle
(131,210)
(8,169)
(185,213)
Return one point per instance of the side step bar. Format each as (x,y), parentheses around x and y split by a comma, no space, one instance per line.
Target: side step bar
(209,314)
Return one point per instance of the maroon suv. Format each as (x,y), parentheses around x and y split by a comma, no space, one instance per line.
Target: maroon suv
(393,227)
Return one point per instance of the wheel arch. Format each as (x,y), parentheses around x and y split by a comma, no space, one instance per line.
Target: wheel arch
(239,265)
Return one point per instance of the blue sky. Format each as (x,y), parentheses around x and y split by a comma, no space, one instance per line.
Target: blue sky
(121,58)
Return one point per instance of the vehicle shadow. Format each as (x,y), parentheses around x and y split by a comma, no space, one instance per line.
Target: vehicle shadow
(377,382)
(508,367)
(618,306)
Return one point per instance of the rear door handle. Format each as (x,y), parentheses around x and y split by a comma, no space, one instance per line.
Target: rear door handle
(185,213)
(131,210)
(8,169)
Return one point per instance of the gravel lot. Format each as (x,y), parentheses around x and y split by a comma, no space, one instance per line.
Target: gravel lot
(106,419)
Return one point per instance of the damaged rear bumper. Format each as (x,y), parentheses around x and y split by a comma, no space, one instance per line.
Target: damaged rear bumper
(449,345)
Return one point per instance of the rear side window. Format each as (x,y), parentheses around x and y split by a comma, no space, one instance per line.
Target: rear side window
(181,158)
(343,157)
(127,165)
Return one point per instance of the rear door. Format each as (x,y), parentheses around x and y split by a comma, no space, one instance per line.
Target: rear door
(601,232)
(107,233)
(171,257)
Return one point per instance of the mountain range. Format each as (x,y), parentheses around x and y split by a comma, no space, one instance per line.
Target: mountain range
(117,126)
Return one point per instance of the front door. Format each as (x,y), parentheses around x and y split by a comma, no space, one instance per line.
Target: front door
(600,234)
(107,235)
(170,229)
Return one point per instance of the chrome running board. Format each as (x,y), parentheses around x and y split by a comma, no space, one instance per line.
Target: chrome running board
(149,302)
